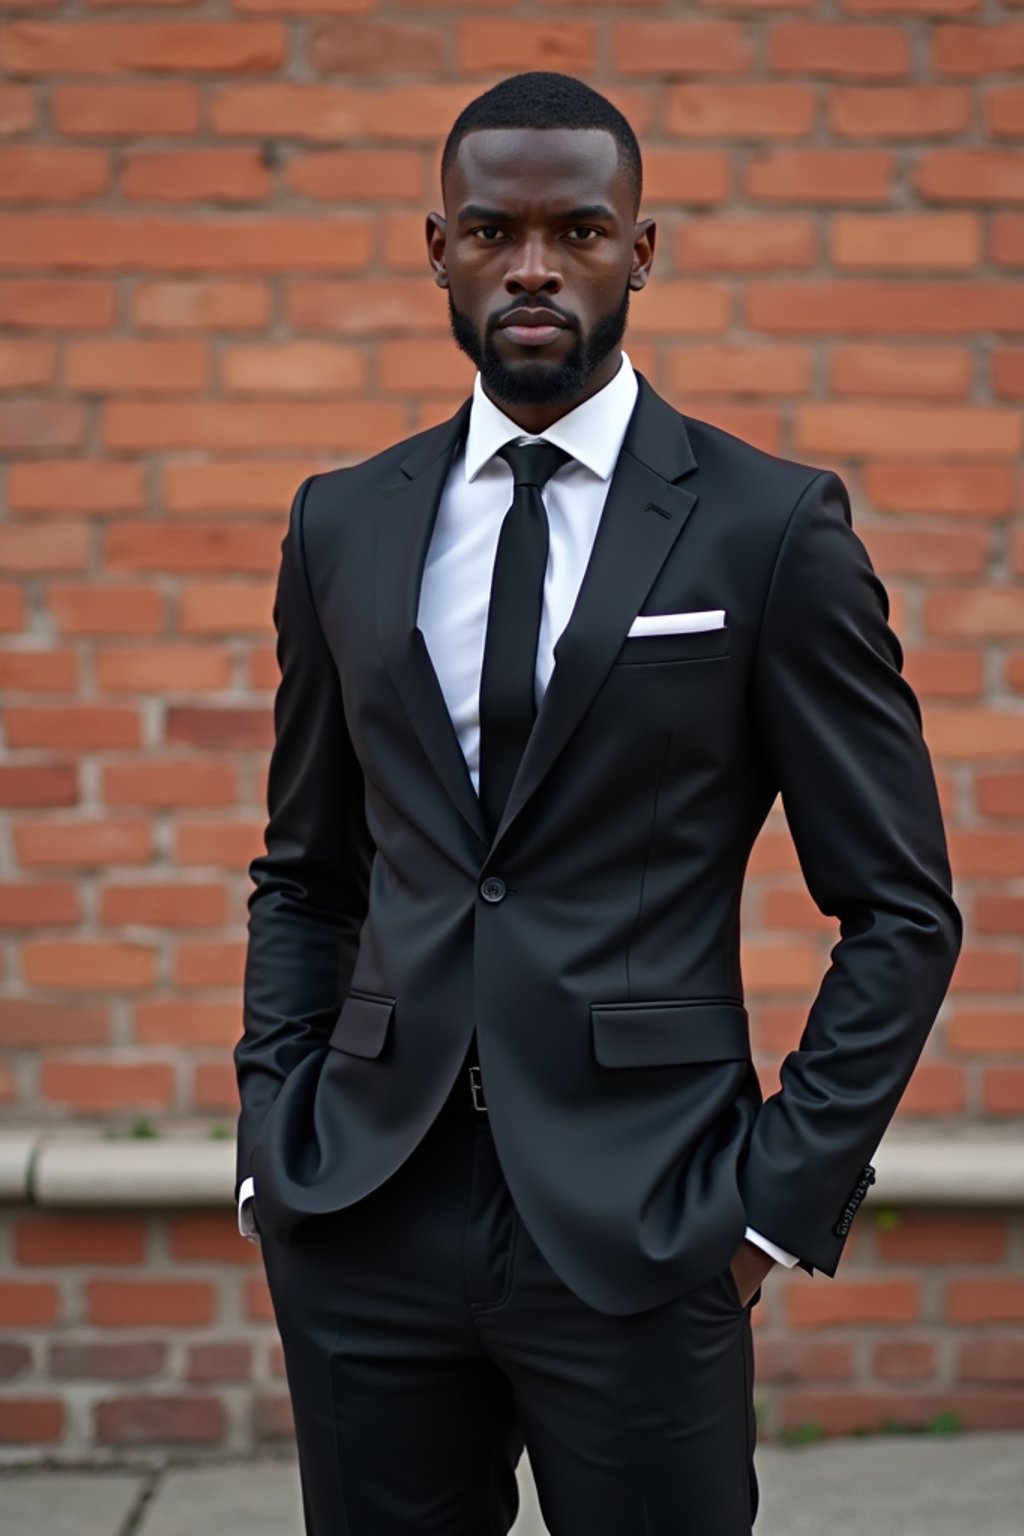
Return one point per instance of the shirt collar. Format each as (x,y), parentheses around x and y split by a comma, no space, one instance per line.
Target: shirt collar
(592,432)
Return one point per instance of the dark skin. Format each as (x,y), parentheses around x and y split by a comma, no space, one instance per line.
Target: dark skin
(538,217)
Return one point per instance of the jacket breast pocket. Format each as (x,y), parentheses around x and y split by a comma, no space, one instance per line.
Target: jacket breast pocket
(363,1025)
(660,1034)
(699,645)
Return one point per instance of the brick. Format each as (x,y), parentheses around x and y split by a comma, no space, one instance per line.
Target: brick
(41,784)
(781,967)
(126,111)
(794,909)
(680,308)
(219,729)
(258,1306)
(195,176)
(976,612)
(898,111)
(218,547)
(164,906)
(1002,1091)
(224,1361)
(94,486)
(272,1417)
(201,305)
(834,51)
(75,1239)
(936,1088)
(28,1303)
(26,1021)
(38,425)
(925,242)
(29,548)
(150,242)
(957,490)
(48,48)
(108,366)
(695,371)
(83,726)
(987,1299)
(1008,373)
(214,1088)
(210,1238)
(756,111)
(820,175)
(88,964)
(57,304)
(177,1420)
(854,1413)
(414,113)
(52,173)
(171,782)
(12,608)
(106,610)
(986,1030)
(1014,669)
(934,432)
(162,668)
(945,674)
(977,851)
(950,308)
(867,368)
(742,244)
(232,485)
(149,1302)
(293,368)
(363,48)
(218,844)
(358,175)
(26,364)
(787,1360)
(873,1301)
(31,1420)
(15,1359)
(669,48)
(378,307)
(31,906)
(686,178)
(69,1360)
(944,552)
(17,110)
(977,50)
(70,844)
(971,176)
(1000,794)
(148,425)
(1006,243)
(999,914)
(1004,112)
(209,965)
(421,366)
(187,1024)
(987,970)
(944,1237)
(995,1358)
(905,1359)
(93,1087)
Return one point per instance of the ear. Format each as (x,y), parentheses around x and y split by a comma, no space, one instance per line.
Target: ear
(437,231)
(644,236)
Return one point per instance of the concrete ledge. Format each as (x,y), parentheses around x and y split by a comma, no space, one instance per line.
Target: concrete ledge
(184,1168)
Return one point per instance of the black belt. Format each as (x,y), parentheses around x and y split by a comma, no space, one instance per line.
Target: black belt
(467,1093)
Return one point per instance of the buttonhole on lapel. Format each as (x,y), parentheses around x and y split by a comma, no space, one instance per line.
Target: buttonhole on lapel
(652,507)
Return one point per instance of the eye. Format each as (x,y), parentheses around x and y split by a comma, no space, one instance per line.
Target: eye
(583,232)
(486,231)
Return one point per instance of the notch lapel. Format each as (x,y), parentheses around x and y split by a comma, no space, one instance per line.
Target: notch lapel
(643,516)
(404,521)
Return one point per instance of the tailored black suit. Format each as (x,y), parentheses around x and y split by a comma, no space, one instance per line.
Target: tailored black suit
(593,942)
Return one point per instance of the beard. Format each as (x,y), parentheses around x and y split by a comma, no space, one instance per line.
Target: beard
(539,383)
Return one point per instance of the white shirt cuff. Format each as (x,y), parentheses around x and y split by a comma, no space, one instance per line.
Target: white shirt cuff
(777,1253)
(246,1212)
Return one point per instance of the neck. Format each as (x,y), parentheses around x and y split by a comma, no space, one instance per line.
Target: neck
(535,417)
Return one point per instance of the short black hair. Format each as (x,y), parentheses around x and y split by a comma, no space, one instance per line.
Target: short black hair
(543,98)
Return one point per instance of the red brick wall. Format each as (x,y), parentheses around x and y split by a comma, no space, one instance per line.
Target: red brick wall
(212,282)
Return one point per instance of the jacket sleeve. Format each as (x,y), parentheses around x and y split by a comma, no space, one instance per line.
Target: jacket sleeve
(311,884)
(840,730)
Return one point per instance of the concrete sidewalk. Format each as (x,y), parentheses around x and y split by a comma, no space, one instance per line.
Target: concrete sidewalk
(960,1485)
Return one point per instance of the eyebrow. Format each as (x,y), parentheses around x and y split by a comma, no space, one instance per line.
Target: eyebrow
(500,216)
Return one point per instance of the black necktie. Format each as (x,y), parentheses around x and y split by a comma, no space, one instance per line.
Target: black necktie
(507,696)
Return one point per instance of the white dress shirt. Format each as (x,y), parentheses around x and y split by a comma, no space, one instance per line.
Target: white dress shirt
(460,559)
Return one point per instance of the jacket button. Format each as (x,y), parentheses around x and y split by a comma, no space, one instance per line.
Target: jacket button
(493,889)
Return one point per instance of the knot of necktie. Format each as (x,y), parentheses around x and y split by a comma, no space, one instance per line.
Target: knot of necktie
(533,463)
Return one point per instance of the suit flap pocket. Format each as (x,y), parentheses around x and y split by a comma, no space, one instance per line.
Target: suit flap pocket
(661,1034)
(362,1025)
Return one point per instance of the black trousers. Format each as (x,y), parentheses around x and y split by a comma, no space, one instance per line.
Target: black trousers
(426,1340)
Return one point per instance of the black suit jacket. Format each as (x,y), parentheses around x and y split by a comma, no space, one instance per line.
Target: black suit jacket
(594,940)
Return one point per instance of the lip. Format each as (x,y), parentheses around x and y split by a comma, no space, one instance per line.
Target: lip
(532,327)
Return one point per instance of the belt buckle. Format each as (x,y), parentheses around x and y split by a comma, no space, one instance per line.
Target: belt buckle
(476,1088)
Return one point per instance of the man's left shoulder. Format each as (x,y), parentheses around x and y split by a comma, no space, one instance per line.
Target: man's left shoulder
(734,465)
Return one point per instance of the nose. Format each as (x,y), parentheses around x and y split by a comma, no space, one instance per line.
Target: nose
(533,269)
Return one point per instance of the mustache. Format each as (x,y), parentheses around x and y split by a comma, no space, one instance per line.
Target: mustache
(569,321)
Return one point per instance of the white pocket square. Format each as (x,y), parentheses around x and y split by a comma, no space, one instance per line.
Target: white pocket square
(677,623)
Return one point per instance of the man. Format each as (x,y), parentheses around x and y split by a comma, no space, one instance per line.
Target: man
(511,1168)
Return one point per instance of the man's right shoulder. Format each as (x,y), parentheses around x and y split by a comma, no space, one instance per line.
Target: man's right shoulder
(379,469)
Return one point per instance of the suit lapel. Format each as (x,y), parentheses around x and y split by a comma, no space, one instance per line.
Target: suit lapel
(404,522)
(643,516)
